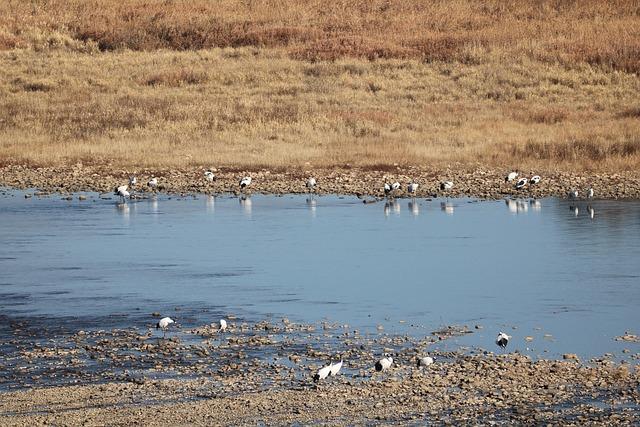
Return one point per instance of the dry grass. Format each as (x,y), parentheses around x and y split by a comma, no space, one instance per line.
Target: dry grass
(360,82)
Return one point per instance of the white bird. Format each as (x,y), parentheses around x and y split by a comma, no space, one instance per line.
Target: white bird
(521,183)
(322,373)
(412,188)
(502,340)
(122,192)
(335,367)
(311,183)
(590,193)
(384,363)
(425,361)
(446,185)
(153,183)
(223,325)
(164,325)
(573,194)
(209,176)
(245,182)
(133,180)
(534,180)
(387,188)
(510,176)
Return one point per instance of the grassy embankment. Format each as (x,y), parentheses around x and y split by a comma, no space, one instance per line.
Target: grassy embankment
(550,84)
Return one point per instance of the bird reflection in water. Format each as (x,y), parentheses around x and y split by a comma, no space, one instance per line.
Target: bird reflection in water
(245,202)
(592,212)
(446,207)
(391,206)
(311,204)
(535,205)
(210,203)
(414,207)
(517,206)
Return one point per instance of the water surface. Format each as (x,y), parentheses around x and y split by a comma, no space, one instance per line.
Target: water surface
(566,274)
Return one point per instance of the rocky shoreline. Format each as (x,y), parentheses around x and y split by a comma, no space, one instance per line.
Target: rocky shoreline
(484,183)
(262,372)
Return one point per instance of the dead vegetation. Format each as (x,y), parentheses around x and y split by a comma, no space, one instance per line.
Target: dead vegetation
(236,83)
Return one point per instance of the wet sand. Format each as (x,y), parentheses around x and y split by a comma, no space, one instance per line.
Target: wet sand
(262,373)
(481,182)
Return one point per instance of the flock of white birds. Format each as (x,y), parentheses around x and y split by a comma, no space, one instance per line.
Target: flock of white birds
(390,189)
(332,369)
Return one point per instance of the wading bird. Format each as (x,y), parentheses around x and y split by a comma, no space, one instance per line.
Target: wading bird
(502,340)
(534,180)
(425,361)
(122,192)
(521,183)
(412,188)
(153,183)
(590,193)
(223,325)
(511,176)
(446,185)
(311,184)
(384,363)
(573,194)
(322,373)
(335,367)
(209,176)
(133,180)
(390,188)
(164,325)
(245,182)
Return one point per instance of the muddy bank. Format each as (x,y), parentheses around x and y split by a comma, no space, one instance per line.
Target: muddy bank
(262,373)
(481,182)
(469,390)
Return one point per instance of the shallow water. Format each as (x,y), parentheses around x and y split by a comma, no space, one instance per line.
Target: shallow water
(569,280)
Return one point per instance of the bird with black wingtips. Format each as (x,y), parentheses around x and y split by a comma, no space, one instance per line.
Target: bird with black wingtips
(153,183)
(534,180)
(590,193)
(446,185)
(164,325)
(425,361)
(502,340)
(521,183)
(384,363)
(311,184)
(133,180)
(223,325)
(573,194)
(209,176)
(511,176)
(322,373)
(122,192)
(245,182)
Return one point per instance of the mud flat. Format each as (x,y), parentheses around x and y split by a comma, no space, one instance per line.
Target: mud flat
(261,373)
(480,182)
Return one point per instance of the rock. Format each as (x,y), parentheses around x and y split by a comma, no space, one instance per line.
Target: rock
(570,356)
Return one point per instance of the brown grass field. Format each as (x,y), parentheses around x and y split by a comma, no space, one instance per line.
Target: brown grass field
(269,83)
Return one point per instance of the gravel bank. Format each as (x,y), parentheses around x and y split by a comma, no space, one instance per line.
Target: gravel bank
(481,182)
(262,373)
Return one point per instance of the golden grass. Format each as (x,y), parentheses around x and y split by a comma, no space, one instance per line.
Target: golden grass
(360,82)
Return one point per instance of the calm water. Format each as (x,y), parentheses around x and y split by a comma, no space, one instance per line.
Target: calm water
(529,269)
